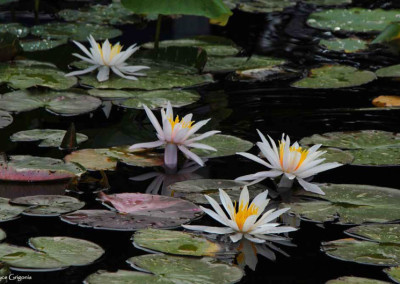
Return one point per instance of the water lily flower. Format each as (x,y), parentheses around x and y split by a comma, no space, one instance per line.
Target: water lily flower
(291,161)
(245,220)
(108,57)
(176,134)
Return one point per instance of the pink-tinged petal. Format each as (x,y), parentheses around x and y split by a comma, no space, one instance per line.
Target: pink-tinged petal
(154,121)
(201,146)
(255,159)
(236,237)
(81,72)
(145,176)
(203,136)
(208,229)
(196,127)
(310,187)
(191,155)
(103,75)
(171,155)
(170,112)
(155,185)
(146,145)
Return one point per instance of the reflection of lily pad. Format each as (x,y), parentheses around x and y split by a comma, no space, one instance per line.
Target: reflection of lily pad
(390,71)
(347,45)
(24,74)
(350,204)
(30,45)
(170,269)
(175,242)
(8,211)
(48,137)
(393,273)
(335,76)
(15,29)
(194,190)
(361,20)
(387,233)
(75,31)
(48,205)
(107,158)
(61,103)
(355,280)
(363,252)
(5,119)
(226,145)
(30,168)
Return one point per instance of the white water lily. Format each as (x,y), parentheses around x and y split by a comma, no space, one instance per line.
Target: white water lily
(176,134)
(245,220)
(108,57)
(292,161)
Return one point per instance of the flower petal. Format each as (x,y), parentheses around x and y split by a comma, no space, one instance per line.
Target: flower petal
(103,75)
(310,186)
(146,145)
(208,229)
(191,155)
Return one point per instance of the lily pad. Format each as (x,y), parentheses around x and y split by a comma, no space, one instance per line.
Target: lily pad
(335,76)
(48,205)
(30,168)
(353,19)
(355,280)
(23,74)
(386,101)
(74,31)
(48,137)
(5,119)
(8,211)
(380,157)
(60,103)
(14,28)
(194,190)
(349,204)
(363,252)
(175,242)
(337,155)
(265,6)
(31,45)
(50,253)
(393,273)
(230,64)
(107,158)
(3,235)
(387,233)
(390,71)
(226,145)
(347,45)
(327,2)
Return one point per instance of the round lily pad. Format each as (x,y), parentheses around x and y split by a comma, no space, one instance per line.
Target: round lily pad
(363,252)
(349,204)
(387,233)
(50,254)
(353,19)
(390,71)
(48,137)
(386,101)
(31,45)
(230,64)
(48,205)
(15,29)
(337,155)
(107,158)
(347,45)
(265,6)
(74,31)
(31,168)
(3,235)
(335,76)
(355,280)
(393,273)
(176,242)
(8,211)
(60,103)
(23,74)
(194,190)
(5,119)
(226,145)
(379,157)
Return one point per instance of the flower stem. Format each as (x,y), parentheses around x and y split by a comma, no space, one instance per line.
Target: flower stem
(158,30)
(37,3)
(285,182)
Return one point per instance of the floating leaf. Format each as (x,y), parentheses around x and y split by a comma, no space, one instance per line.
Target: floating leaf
(3,235)
(48,137)
(361,20)
(327,2)
(5,119)
(9,48)
(14,28)
(31,45)
(386,101)
(393,273)
(61,103)
(75,31)
(337,155)
(107,158)
(381,157)
(23,74)
(347,45)
(387,233)
(363,252)
(30,168)
(48,205)
(389,35)
(226,145)
(355,280)
(194,190)
(350,204)
(265,6)
(8,211)
(390,71)
(335,76)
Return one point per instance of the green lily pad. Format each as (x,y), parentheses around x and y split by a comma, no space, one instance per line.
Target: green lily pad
(265,6)
(337,155)
(213,45)
(30,168)
(388,35)
(335,76)
(349,204)
(50,253)
(380,157)
(393,273)
(3,235)
(5,2)
(48,205)
(194,190)
(387,233)
(355,280)
(8,211)
(175,242)
(14,28)
(327,2)
(47,137)
(74,31)
(347,45)
(353,19)
(390,71)
(363,252)
(113,14)
(24,74)
(106,159)
(230,64)
(31,45)
(5,119)
(226,145)
(60,103)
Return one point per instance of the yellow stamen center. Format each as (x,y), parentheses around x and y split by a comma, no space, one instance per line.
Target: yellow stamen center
(177,120)
(244,211)
(114,51)
(303,153)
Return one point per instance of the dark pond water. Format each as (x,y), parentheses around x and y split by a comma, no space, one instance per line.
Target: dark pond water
(235,108)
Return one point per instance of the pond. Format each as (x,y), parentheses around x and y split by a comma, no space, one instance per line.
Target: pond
(80,204)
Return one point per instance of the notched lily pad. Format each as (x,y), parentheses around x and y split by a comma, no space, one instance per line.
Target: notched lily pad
(8,211)
(355,280)
(387,233)
(5,119)
(47,137)
(226,145)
